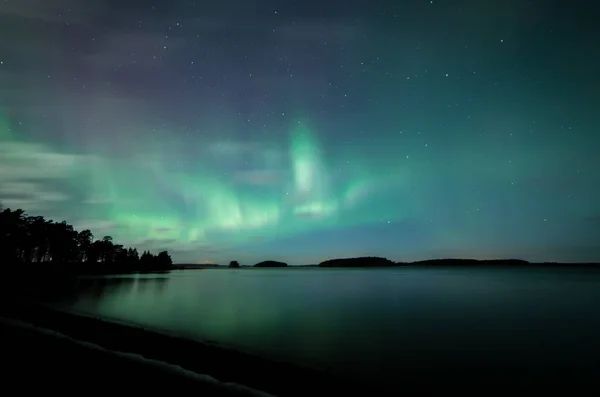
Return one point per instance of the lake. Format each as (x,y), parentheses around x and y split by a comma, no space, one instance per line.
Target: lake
(372,323)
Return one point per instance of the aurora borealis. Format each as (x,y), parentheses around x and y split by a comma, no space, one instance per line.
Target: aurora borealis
(302,131)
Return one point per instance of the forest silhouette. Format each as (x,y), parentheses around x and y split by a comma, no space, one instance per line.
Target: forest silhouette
(33,243)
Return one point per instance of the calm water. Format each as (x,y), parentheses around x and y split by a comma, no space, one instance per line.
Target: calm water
(370,322)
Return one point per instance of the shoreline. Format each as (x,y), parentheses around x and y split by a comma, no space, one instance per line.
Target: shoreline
(58,354)
(111,356)
(218,362)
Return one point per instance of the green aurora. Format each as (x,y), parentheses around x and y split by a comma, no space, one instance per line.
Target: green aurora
(149,196)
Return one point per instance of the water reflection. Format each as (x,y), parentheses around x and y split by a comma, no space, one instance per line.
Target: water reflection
(95,290)
(369,323)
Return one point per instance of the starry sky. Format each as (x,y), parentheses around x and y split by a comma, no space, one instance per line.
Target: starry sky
(305,130)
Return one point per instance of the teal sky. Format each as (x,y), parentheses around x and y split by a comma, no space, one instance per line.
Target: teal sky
(410,130)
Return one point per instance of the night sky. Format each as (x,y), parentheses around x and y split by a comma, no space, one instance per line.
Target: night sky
(305,130)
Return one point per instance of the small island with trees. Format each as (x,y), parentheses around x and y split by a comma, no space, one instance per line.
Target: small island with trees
(367,261)
(373,261)
(271,264)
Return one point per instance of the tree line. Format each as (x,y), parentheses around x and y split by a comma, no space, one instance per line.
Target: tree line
(35,243)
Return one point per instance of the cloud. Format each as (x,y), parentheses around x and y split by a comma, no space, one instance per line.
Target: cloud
(20,161)
(154,242)
(99,227)
(31,205)
(30,175)
(28,192)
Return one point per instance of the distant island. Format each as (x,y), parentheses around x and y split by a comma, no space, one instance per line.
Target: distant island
(369,261)
(271,264)
(469,262)
(380,262)
(366,261)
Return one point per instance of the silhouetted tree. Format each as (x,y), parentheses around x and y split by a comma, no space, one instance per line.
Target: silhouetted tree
(85,239)
(27,240)
(95,252)
(132,256)
(146,261)
(63,243)
(120,255)
(164,260)
(106,249)
(13,234)
(39,231)
(234,264)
